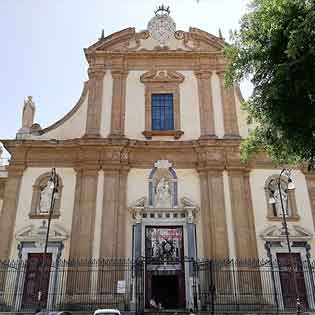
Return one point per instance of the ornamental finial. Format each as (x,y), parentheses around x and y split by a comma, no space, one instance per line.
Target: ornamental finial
(162,10)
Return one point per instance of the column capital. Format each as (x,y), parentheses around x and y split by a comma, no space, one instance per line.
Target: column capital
(203,74)
(96,72)
(119,73)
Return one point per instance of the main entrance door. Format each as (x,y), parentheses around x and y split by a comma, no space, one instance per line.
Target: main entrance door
(36,279)
(287,279)
(165,274)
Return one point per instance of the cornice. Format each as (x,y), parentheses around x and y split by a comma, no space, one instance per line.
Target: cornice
(108,153)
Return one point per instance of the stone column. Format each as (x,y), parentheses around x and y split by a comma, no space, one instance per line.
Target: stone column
(213,215)
(9,209)
(95,98)
(118,103)
(207,126)
(242,214)
(114,214)
(229,109)
(310,181)
(83,219)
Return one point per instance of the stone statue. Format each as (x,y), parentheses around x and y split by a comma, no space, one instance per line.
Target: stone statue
(28,113)
(45,198)
(163,195)
(278,201)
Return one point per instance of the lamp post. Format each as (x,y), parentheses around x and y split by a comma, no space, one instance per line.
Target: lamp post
(273,186)
(53,185)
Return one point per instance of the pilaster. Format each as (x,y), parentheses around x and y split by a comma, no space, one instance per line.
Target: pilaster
(242,214)
(83,220)
(95,96)
(114,213)
(213,214)
(119,75)
(207,127)
(231,129)
(9,209)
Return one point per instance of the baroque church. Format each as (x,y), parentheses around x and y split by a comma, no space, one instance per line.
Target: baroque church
(148,166)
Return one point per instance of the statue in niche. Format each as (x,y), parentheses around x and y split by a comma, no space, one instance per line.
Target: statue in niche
(45,199)
(163,194)
(278,206)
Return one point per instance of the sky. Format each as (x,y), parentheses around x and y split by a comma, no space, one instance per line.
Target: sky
(42,45)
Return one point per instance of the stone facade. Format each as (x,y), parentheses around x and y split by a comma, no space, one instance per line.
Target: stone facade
(104,151)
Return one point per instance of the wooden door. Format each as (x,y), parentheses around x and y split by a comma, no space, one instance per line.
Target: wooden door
(287,279)
(36,279)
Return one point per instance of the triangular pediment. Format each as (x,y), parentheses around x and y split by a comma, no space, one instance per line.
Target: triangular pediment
(276,233)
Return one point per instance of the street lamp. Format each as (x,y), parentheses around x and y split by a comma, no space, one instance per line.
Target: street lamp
(53,185)
(275,185)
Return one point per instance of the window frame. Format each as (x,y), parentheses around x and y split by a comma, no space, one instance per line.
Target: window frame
(162,82)
(162,109)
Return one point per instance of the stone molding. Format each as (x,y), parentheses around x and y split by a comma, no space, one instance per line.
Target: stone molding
(125,153)
(162,82)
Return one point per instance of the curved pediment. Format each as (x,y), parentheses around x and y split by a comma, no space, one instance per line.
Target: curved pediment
(130,40)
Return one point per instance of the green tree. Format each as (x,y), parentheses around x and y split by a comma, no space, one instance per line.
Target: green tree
(275,47)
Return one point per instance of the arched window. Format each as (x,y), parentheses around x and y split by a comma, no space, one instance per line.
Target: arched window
(163,188)
(273,199)
(41,198)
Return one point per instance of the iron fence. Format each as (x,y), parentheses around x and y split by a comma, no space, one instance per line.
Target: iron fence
(211,286)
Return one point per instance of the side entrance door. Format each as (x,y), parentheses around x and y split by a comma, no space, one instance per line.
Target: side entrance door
(287,280)
(37,276)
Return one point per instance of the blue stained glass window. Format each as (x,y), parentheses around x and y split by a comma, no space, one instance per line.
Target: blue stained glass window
(162,112)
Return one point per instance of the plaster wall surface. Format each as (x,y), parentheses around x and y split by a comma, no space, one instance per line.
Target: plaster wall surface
(257,182)
(24,204)
(106,104)
(72,128)
(135,110)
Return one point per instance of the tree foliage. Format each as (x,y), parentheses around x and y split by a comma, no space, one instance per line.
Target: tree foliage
(275,47)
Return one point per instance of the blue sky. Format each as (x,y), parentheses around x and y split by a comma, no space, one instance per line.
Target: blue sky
(42,45)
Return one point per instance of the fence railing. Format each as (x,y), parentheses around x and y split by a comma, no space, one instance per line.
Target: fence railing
(211,286)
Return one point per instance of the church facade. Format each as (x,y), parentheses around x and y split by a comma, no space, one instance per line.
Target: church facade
(148,165)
